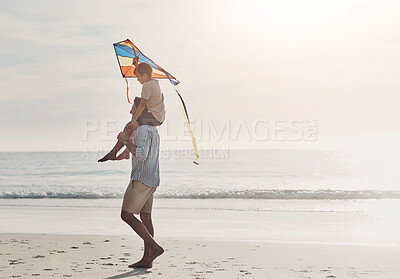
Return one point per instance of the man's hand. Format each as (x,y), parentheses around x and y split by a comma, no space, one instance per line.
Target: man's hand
(122,136)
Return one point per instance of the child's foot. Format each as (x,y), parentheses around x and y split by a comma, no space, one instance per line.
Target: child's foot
(108,156)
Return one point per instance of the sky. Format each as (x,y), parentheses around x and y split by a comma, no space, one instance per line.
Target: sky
(254,74)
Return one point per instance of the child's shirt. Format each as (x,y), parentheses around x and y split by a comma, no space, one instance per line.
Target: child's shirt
(151,91)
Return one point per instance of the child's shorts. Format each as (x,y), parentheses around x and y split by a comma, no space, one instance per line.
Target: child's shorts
(147,118)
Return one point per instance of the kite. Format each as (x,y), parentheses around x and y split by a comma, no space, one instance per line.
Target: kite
(129,57)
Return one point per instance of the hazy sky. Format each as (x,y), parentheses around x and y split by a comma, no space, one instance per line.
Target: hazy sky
(242,64)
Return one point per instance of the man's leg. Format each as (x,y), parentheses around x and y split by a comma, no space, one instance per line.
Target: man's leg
(154,250)
(147,222)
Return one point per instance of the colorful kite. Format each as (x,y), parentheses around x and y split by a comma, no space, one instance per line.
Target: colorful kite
(129,57)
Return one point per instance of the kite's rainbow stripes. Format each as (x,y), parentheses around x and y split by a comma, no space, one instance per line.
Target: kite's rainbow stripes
(129,55)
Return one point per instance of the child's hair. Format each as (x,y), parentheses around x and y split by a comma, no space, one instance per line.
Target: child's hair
(144,68)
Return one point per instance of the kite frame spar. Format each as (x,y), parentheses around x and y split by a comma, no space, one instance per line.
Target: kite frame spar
(123,51)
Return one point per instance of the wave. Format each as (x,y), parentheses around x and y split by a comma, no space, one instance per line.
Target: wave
(290,195)
(251,194)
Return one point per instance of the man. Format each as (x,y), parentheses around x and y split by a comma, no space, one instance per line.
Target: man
(145,179)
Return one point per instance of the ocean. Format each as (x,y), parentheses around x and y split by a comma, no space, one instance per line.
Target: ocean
(221,174)
(260,194)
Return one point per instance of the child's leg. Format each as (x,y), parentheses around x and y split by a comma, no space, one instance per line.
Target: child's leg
(149,119)
(112,155)
(124,155)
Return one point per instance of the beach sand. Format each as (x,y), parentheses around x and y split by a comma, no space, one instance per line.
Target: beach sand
(47,241)
(87,256)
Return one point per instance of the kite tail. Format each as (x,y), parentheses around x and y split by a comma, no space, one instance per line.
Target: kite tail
(187,121)
(127,91)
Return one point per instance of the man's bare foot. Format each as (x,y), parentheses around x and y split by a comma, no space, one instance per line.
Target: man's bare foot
(142,263)
(154,253)
(108,156)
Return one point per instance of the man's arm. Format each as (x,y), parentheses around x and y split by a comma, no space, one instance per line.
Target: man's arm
(131,147)
(124,138)
(143,141)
